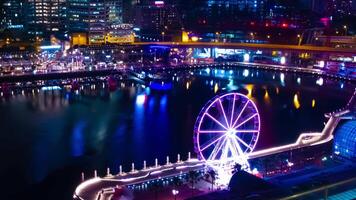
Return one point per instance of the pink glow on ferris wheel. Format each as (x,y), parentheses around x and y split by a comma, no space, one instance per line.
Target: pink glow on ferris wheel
(227,128)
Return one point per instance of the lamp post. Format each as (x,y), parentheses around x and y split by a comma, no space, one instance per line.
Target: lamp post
(163,33)
(345,28)
(175,193)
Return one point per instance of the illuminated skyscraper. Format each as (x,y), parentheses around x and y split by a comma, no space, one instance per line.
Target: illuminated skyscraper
(158,16)
(45,16)
(251,5)
(77,15)
(12,12)
(95,17)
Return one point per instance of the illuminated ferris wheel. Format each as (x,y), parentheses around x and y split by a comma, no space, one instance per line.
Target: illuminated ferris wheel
(227,129)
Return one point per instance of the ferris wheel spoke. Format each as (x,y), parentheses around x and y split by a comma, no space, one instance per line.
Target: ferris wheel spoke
(248,119)
(217,149)
(238,117)
(211,117)
(211,143)
(212,131)
(236,149)
(223,111)
(225,151)
(232,113)
(243,142)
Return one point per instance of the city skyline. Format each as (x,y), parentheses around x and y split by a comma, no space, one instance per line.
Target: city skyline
(177,99)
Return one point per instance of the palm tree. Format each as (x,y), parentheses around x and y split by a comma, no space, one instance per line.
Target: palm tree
(192,177)
(237,168)
(212,175)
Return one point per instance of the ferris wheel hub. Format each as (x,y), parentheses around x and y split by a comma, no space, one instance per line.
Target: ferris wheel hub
(231,132)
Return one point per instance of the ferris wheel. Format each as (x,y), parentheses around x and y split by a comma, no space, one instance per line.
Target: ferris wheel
(227,129)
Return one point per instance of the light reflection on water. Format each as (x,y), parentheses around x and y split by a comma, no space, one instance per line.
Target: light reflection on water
(93,128)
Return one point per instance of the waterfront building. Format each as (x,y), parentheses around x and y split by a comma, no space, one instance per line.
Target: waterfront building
(345,140)
(96,17)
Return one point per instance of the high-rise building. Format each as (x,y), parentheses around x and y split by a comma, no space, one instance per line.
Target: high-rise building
(45,16)
(255,6)
(157,16)
(339,8)
(77,19)
(12,12)
(129,8)
(97,21)
(98,18)
(316,6)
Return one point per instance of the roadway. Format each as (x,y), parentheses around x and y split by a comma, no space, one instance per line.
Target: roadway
(253,46)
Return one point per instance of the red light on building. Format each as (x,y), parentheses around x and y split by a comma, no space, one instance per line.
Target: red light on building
(285,25)
(252,23)
(267,24)
(325,21)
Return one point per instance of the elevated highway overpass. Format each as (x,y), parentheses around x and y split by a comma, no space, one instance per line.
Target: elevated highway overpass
(253,46)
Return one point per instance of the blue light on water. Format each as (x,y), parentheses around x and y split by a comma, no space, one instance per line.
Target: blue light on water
(147,90)
(163,101)
(140,99)
(160,86)
(207,70)
(78,139)
(245,73)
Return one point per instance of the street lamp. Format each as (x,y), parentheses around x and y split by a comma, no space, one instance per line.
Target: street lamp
(163,33)
(217,34)
(345,27)
(175,193)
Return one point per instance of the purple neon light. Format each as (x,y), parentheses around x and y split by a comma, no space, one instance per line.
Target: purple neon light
(243,109)
(232,144)
(248,119)
(222,108)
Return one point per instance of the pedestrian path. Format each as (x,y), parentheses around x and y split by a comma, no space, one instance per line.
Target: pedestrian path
(347,195)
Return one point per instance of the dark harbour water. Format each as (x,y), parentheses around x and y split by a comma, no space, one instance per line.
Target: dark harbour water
(48,138)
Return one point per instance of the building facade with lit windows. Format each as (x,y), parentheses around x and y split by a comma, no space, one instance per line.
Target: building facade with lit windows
(45,16)
(254,6)
(101,20)
(158,16)
(77,16)
(12,12)
(97,21)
